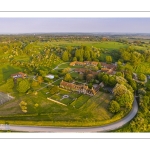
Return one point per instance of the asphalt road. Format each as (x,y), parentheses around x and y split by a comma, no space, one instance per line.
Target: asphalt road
(104,128)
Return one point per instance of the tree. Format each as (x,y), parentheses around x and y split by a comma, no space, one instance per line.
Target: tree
(74,59)
(87,55)
(121,80)
(65,56)
(126,56)
(68,77)
(100,75)
(125,100)
(108,59)
(119,74)
(89,77)
(141,77)
(119,89)
(99,66)
(90,85)
(66,70)
(23,86)
(142,91)
(123,96)
(114,107)
(112,81)
(105,79)
(40,79)
(133,84)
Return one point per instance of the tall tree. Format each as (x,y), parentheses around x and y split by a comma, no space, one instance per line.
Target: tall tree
(68,77)
(108,59)
(65,56)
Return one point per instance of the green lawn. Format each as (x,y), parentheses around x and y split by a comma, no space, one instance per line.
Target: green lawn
(103,44)
(83,111)
(6,70)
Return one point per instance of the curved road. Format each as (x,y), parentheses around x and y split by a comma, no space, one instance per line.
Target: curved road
(104,128)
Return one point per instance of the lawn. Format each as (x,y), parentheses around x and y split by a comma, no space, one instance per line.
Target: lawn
(100,44)
(6,70)
(81,110)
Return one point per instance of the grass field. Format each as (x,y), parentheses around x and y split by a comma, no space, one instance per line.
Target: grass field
(81,110)
(105,44)
(6,70)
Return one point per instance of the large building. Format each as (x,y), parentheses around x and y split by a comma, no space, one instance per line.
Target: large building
(79,88)
(92,63)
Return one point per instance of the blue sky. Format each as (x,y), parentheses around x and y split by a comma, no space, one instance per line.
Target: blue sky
(49,25)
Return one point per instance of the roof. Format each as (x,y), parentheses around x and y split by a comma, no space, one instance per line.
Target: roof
(19,73)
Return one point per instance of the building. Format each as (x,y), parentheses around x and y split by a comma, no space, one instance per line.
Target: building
(108,68)
(79,88)
(92,63)
(18,75)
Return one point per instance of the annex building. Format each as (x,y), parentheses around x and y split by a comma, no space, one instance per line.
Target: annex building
(79,88)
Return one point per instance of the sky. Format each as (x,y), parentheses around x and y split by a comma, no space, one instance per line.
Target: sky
(87,25)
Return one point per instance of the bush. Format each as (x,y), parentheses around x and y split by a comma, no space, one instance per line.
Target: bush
(114,106)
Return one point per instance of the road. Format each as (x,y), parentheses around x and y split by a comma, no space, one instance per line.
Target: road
(109,127)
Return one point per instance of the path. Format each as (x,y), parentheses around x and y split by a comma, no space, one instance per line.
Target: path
(59,65)
(56,102)
(109,127)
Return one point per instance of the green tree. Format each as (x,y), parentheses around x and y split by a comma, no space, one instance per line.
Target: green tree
(23,86)
(105,79)
(126,56)
(74,59)
(68,77)
(114,107)
(66,70)
(123,96)
(142,91)
(108,59)
(112,81)
(141,77)
(133,84)
(125,100)
(87,55)
(90,85)
(99,66)
(65,56)
(119,89)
